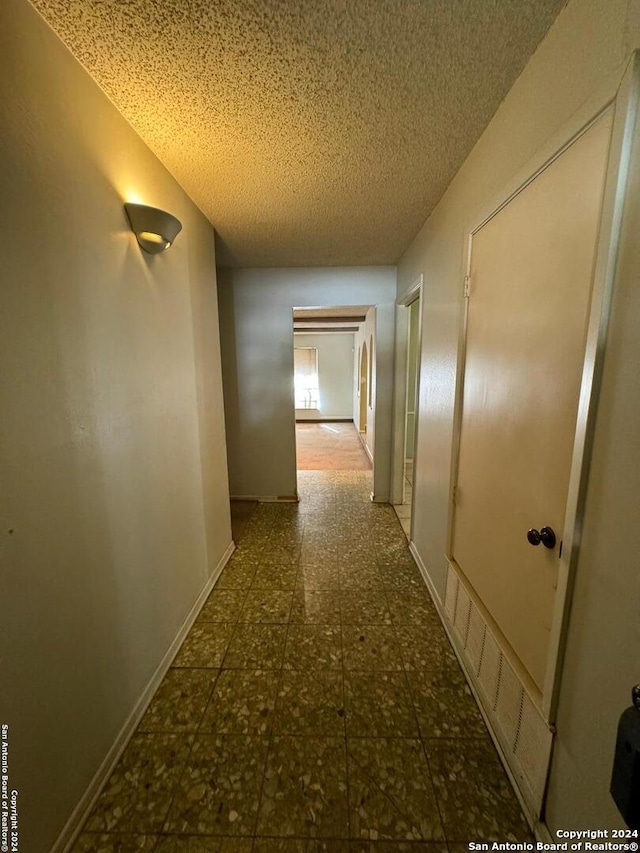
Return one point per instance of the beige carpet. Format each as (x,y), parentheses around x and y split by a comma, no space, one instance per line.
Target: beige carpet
(330,447)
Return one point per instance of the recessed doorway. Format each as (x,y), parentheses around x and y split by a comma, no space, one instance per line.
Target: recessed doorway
(409,315)
(332,381)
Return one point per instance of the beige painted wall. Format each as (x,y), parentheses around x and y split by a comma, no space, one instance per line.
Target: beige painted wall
(589,44)
(111,410)
(335,374)
(257,353)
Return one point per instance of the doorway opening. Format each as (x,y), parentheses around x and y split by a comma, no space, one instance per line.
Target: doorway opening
(332,378)
(364,388)
(409,316)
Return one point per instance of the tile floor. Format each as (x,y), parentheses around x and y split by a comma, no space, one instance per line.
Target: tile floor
(315,705)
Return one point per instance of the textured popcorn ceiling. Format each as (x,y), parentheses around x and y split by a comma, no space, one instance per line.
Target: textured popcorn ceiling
(310,132)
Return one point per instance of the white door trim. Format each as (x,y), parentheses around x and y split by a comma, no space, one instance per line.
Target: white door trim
(413,292)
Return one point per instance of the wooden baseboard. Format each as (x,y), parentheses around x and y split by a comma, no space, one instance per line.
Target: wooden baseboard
(73,826)
(324,420)
(268,499)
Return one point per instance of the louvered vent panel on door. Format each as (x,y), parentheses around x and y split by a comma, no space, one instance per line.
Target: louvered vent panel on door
(451,594)
(463,607)
(475,637)
(490,669)
(509,701)
(533,746)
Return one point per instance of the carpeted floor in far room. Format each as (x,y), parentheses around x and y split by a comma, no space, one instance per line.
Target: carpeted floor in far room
(330,447)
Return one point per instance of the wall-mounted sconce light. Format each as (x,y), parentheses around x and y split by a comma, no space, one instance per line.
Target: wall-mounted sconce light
(155,229)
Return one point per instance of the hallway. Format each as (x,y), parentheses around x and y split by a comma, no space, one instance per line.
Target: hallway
(315,705)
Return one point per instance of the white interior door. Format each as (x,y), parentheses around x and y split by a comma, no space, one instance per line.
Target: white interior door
(531,273)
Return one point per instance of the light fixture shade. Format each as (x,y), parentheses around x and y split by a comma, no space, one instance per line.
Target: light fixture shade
(155,229)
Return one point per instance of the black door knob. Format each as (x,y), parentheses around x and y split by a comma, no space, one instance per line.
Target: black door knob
(545,535)
(533,536)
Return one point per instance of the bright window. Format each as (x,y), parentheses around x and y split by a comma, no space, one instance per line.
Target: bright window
(305,366)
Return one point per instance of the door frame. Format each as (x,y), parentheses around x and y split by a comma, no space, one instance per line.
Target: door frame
(623,96)
(417,301)
(413,293)
(363,398)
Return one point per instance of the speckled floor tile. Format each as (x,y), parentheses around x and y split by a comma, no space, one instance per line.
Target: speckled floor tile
(285,538)
(305,789)
(276,577)
(322,576)
(205,645)
(361,577)
(364,607)
(223,605)
(354,532)
(238,574)
(310,703)
(288,530)
(255,537)
(378,704)
(219,790)
(412,608)
(256,646)
(318,606)
(401,580)
(399,847)
(357,552)
(280,559)
(474,794)
(426,647)
(242,702)
(179,702)
(267,605)
(391,547)
(390,537)
(300,845)
(315,554)
(357,648)
(90,842)
(390,792)
(370,648)
(137,796)
(311,647)
(202,844)
(249,550)
(444,705)
(320,532)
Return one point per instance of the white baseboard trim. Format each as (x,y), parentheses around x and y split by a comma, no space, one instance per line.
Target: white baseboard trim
(427,580)
(73,826)
(531,818)
(541,831)
(267,499)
